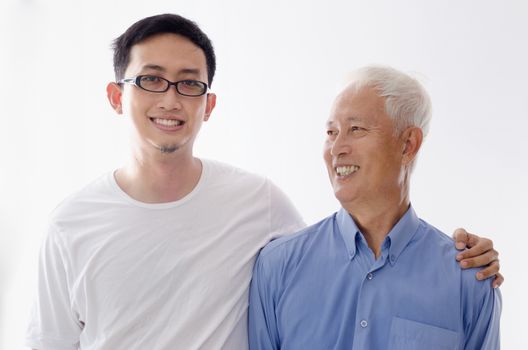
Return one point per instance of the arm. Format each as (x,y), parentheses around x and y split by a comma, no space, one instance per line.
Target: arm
(480,253)
(482,311)
(53,323)
(262,329)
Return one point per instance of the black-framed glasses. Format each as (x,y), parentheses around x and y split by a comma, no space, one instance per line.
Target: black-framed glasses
(154,83)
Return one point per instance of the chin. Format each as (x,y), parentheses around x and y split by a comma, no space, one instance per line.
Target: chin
(345,197)
(168,148)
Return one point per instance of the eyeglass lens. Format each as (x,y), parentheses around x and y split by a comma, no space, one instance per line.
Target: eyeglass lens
(184,87)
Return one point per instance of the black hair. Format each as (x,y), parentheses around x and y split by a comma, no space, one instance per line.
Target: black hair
(160,24)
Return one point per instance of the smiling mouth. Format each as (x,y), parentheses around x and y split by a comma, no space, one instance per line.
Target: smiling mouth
(167,122)
(346,170)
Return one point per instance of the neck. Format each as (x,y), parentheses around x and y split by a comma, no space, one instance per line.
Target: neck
(375,220)
(159,177)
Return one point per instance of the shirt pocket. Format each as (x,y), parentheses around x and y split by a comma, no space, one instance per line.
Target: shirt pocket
(411,335)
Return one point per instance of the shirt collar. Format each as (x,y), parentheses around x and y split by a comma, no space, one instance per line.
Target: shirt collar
(400,235)
(348,230)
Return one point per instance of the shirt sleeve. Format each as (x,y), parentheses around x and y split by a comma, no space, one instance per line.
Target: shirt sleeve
(262,329)
(284,218)
(482,317)
(53,323)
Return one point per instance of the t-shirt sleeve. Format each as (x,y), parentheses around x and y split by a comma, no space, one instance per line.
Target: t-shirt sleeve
(285,219)
(53,323)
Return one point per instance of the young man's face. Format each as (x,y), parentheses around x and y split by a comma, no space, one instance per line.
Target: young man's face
(164,122)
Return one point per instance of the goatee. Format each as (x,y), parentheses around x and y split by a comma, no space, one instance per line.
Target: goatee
(168,149)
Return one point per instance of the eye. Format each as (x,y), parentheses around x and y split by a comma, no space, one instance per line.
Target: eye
(331,132)
(357,131)
(150,79)
(191,87)
(191,83)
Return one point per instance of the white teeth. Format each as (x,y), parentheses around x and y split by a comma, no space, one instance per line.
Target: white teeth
(346,170)
(167,122)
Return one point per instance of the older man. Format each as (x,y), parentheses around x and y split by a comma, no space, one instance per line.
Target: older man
(373,275)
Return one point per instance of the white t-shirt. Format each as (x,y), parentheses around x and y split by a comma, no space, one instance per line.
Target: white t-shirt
(116,273)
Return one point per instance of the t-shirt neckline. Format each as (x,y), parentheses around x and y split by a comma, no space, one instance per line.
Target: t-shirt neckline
(203,177)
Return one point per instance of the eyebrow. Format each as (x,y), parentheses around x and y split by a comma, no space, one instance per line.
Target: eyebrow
(348,119)
(153,67)
(163,70)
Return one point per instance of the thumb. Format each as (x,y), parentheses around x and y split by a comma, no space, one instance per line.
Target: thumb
(461,238)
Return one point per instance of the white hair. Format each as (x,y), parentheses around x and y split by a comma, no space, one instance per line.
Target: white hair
(406,100)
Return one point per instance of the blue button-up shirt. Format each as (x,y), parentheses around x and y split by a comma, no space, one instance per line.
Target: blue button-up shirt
(323,289)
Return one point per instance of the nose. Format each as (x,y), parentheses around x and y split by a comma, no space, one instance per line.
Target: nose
(340,146)
(170,99)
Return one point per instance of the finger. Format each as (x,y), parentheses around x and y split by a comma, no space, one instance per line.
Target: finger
(460,236)
(484,245)
(490,271)
(480,260)
(499,279)
(473,240)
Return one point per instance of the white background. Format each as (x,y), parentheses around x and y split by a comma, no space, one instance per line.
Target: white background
(280,63)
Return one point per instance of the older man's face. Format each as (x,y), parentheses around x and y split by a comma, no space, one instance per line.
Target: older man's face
(362,152)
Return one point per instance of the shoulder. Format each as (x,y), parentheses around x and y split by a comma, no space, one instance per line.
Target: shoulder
(242,184)
(86,200)
(441,245)
(223,172)
(434,242)
(291,248)
(227,180)
(436,236)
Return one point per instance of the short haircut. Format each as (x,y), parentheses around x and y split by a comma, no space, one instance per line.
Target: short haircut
(161,24)
(406,100)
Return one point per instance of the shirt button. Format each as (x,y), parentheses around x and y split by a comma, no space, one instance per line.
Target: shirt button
(392,258)
(370,276)
(363,323)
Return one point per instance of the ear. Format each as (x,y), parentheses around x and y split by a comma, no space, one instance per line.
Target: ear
(412,138)
(114,95)
(211,103)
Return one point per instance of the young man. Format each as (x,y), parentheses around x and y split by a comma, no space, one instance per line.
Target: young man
(159,253)
(373,275)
